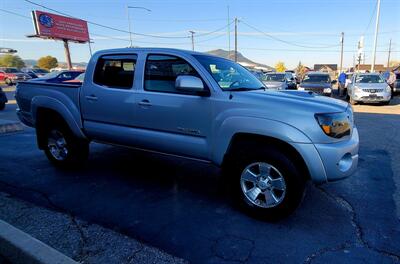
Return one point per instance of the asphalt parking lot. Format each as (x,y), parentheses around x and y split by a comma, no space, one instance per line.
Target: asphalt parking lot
(182,207)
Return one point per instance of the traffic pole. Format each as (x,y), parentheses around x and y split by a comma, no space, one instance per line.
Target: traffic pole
(67,54)
(376,36)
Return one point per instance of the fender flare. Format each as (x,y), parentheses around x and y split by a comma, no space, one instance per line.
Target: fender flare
(69,112)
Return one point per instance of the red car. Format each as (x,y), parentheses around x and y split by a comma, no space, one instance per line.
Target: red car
(12,75)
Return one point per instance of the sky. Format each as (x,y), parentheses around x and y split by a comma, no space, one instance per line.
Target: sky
(307,31)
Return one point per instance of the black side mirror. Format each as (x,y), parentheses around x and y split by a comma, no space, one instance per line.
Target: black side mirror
(333,81)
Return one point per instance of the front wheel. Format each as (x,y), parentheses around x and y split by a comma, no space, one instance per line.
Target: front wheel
(266,182)
(62,148)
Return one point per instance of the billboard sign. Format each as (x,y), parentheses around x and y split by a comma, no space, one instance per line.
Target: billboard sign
(53,26)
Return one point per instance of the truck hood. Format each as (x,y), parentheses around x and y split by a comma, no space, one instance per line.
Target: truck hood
(292,101)
(315,85)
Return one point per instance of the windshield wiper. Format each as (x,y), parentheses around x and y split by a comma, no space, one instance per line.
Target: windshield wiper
(241,89)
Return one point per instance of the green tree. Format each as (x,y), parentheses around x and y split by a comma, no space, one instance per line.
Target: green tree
(47,62)
(9,60)
(280,66)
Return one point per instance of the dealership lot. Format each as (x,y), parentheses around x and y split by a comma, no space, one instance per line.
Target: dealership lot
(182,207)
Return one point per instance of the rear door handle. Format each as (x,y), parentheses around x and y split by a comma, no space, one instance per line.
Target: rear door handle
(145,102)
(91,97)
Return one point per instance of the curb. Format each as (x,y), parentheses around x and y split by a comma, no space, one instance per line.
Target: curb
(7,126)
(19,247)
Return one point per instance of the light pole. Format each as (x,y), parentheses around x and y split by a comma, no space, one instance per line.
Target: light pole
(376,36)
(129,19)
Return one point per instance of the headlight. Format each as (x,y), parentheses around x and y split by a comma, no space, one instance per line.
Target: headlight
(300,88)
(335,125)
(388,89)
(357,89)
(327,90)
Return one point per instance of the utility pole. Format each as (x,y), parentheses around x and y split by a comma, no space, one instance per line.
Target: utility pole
(236,22)
(192,34)
(229,36)
(390,50)
(341,52)
(376,35)
(67,54)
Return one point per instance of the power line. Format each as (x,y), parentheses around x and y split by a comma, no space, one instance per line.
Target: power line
(16,14)
(370,19)
(287,42)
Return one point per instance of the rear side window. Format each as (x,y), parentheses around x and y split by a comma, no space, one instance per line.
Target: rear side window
(161,72)
(115,71)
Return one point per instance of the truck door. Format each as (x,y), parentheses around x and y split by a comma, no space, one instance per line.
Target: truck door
(108,100)
(170,120)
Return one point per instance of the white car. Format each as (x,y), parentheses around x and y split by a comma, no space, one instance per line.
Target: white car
(368,88)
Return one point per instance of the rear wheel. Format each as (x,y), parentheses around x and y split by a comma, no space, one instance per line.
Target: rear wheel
(2,106)
(62,148)
(266,183)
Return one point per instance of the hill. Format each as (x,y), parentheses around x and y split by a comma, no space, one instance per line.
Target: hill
(241,59)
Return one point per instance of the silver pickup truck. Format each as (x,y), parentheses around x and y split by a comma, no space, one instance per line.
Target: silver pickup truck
(202,107)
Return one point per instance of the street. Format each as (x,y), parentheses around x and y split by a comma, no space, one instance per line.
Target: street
(182,207)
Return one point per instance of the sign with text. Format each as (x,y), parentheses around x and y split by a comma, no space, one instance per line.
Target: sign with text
(53,26)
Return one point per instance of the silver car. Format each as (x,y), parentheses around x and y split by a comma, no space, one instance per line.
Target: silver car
(275,81)
(368,88)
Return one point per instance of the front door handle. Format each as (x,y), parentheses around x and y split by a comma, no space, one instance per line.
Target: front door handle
(145,103)
(91,97)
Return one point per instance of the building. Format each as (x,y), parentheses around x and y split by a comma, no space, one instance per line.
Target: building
(332,69)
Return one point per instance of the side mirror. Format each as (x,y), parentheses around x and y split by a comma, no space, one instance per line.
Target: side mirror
(188,83)
(333,81)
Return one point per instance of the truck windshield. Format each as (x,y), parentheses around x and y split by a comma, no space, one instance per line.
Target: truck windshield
(316,78)
(228,74)
(369,78)
(274,77)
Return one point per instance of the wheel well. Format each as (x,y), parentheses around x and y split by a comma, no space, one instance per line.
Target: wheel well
(243,140)
(45,116)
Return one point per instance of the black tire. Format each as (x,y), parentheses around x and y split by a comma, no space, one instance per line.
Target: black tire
(77,149)
(2,106)
(8,82)
(290,171)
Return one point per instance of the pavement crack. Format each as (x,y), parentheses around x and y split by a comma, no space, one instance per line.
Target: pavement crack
(131,257)
(360,240)
(237,259)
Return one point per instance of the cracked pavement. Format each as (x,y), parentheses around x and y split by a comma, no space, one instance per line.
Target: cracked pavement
(181,207)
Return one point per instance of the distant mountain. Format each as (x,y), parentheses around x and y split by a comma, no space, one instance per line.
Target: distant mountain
(30,63)
(241,59)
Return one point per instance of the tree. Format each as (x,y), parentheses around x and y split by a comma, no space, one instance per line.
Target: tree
(280,66)
(300,70)
(47,62)
(11,61)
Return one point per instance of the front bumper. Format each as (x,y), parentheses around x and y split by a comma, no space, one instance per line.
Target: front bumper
(330,162)
(366,97)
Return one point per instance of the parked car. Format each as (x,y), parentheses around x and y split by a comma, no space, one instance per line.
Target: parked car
(368,88)
(258,74)
(12,75)
(396,86)
(58,76)
(201,107)
(78,80)
(275,81)
(35,72)
(317,82)
(3,99)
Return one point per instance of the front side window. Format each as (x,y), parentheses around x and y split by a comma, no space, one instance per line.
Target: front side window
(115,71)
(161,72)
(228,74)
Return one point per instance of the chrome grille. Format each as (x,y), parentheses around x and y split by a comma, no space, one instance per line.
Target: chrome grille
(373,90)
